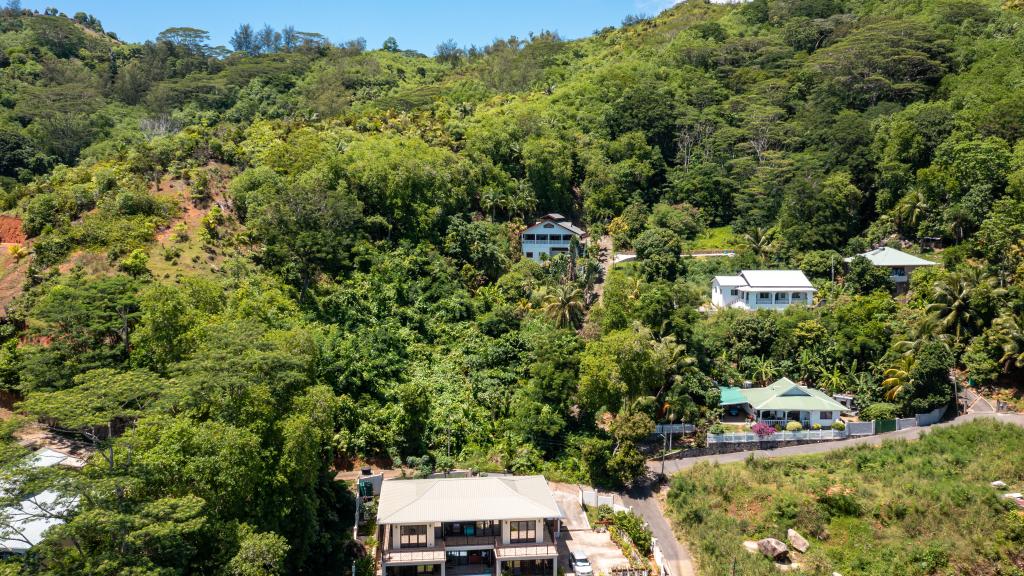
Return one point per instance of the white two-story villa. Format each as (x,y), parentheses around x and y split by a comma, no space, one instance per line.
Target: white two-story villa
(550,235)
(483,526)
(762,290)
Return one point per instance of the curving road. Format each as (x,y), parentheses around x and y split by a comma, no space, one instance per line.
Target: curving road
(643,500)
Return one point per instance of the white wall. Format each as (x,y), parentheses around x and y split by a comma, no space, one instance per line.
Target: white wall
(535,249)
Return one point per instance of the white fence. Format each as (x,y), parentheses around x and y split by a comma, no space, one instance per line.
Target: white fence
(593,498)
(733,437)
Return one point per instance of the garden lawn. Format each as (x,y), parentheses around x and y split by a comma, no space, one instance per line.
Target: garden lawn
(905,508)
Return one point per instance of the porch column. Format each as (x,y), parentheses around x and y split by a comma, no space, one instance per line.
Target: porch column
(554,566)
(539,523)
(497,567)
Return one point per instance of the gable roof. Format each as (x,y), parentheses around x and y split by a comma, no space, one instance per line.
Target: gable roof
(886,256)
(776,279)
(784,394)
(465,499)
(560,222)
(730,281)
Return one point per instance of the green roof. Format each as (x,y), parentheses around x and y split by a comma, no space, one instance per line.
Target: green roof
(731,396)
(784,394)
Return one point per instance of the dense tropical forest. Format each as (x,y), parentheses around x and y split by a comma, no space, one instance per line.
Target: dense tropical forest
(234,270)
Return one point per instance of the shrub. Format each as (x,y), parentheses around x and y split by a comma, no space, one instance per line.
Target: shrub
(816,426)
(794,426)
(879,411)
(839,425)
(762,430)
(717,428)
(135,263)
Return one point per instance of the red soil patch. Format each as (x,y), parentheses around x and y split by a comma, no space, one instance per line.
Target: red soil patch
(11,231)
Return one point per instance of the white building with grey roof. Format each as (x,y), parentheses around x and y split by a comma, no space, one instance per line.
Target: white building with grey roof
(762,290)
(480,526)
(553,234)
(900,264)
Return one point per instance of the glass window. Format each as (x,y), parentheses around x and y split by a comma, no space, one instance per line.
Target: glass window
(529,254)
(413,536)
(826,415)
(522,531)
(542,237)
(549,225)
(764,295)
(779,295)
(734,292)
(529,236)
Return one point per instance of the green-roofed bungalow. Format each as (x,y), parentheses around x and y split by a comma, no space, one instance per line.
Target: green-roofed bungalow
(783,401)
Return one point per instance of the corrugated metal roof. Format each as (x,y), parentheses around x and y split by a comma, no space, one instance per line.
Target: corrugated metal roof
(465,499)
(731,281)
(776,279)
(886,256)
(784,394)
(731,396)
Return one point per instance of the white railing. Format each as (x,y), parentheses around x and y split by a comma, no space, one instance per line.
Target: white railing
(733,437)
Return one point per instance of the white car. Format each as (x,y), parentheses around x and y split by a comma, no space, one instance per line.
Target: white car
(580,564)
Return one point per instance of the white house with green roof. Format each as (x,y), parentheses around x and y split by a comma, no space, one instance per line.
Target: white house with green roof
(900,264)
(784,401)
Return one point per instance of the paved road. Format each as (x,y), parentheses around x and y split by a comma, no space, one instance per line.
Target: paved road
(644,502)
(673,466)
(680,560)
(977,403)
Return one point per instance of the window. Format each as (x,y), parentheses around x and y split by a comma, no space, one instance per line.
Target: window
(529,254)
(522,531)
(826,415)
(529,236)
(482,528)
(779,296)
(734,292)
(549,225)
(764,295)
(798,295)
(567,237)
(413,536)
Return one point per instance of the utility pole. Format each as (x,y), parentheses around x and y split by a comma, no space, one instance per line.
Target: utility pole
(832,265)
(665,449)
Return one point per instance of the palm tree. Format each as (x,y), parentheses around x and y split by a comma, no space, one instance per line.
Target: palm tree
(565,306)
(760,242)
(911,210)
(897,378)
(951,304)
(1009,333)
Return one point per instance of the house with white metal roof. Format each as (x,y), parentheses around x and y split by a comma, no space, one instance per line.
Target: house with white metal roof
(785,401)
(900,264)
(491,525)
(762,290)
(551,235)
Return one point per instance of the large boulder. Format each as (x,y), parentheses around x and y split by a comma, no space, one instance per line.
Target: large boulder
(772,548)
(798,542)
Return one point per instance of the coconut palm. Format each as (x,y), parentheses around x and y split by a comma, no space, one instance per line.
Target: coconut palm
(897,379)
(565,306)
(1009,333)
(951,304)
(911,209)
(760,242)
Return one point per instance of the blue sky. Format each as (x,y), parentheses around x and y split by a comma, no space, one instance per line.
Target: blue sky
(419,25)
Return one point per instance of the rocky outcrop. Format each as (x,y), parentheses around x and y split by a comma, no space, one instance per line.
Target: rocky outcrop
(798,542)
(774,549)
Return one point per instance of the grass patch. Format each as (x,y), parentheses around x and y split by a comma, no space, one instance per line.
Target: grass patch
(720,237)
(908,508)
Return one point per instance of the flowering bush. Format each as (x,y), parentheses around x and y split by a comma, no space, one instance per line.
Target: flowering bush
(762,430)
(794,426)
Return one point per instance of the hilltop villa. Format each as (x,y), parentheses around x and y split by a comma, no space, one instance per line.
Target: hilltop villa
(550,235)
(482,526)
(782,402)
(899,263)
(762,290)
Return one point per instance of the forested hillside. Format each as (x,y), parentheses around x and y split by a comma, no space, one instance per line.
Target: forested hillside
(247,267)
